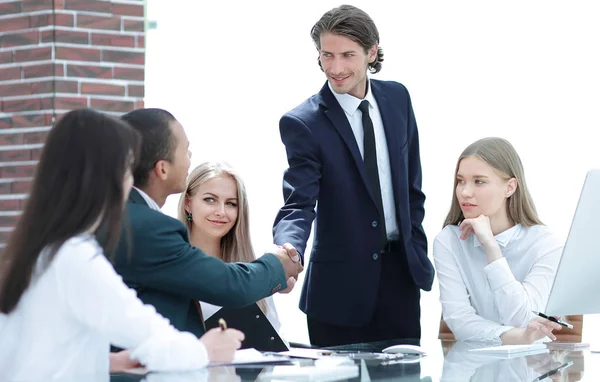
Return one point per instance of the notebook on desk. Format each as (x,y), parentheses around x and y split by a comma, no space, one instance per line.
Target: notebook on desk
(259,332)
(511,349)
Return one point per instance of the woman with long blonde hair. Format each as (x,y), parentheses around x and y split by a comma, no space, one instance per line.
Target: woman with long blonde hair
(214,208)
(495,260)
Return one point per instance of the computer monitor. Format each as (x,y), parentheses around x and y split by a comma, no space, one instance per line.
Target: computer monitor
(577,281)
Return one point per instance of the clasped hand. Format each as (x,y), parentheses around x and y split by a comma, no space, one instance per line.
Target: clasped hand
(292,266)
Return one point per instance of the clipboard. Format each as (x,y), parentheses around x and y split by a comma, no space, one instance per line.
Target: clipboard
(259,332)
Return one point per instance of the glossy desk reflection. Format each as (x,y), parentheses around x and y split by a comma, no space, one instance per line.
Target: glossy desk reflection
(446,361)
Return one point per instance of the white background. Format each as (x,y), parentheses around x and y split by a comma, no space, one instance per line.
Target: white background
(527,71)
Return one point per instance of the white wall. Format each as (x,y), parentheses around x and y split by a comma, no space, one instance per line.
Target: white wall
(527,71)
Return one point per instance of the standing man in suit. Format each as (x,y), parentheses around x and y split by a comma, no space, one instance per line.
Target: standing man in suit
(155,257)
(353,148)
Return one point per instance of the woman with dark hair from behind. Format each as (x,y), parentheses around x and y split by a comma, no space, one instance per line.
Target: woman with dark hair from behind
(61,302)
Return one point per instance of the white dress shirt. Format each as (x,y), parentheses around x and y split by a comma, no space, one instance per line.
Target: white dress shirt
(210,309)
(70,313)
(350,105)
(483,301)
(149,201)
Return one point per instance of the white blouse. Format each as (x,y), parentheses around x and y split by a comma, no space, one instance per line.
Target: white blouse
(483,301)
(66,319)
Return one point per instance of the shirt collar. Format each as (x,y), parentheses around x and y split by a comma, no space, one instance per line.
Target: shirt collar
(503,238)
(349,102)
(149,201)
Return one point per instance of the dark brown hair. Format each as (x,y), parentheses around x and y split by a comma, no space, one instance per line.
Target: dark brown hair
(351,22)
(77,187)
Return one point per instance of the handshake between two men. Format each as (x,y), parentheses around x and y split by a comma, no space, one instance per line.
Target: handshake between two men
(292,266)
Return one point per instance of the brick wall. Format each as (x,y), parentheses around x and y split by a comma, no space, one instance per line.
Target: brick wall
(58,55)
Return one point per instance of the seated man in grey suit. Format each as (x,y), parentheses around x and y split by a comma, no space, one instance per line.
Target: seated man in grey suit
(155,257)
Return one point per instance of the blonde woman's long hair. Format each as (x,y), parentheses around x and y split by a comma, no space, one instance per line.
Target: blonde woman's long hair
(501,155)
(236,245)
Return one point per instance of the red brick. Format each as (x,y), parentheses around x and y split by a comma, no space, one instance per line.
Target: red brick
(9,220)
(42,87)
(59,4)
(6,122)
(123,57)
(133,25)
(8,74)
(99,22)
(31,138)
(14,23)
(141,42)
(21,171)
(6,57)
(139,104)
(23,138)
(9,205)
(35,5)
(31,120)
(135,91)
(11,7)
(77,54)
(42,20)
(11,90)
(11,139)
(15,155)
(4,189)
(19,39)
(62,86)
(69,103)
(28,104)
(132,74)
(89,71)
(113,40)
(112,105)
(43,70)
(66,36)
(128,9)
(35,154)
(21,186)
(33,54)
(64,20)
(89,5)
(102,89)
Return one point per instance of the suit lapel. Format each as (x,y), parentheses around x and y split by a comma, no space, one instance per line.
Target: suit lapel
(337,116)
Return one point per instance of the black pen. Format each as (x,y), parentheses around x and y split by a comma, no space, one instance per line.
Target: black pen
(552,372)
(550,318)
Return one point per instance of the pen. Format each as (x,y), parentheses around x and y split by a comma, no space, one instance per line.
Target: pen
(554,371)
(222,324)
(550,318)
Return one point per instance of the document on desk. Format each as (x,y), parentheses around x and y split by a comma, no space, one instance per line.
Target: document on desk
(307,353)
(252,356)
(310,373)
(507,350)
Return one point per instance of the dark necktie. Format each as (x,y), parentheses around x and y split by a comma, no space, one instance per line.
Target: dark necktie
(370,158)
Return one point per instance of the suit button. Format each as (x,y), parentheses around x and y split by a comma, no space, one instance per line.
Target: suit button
(374,224)
(375,256)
